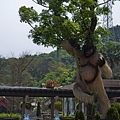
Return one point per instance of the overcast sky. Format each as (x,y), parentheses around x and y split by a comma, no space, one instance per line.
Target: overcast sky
(14,35)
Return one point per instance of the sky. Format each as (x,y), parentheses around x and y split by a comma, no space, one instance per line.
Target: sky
(14,35)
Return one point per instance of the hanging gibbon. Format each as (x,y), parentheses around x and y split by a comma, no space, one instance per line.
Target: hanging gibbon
(90,66)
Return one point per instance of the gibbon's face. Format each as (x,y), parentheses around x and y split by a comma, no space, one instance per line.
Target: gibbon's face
(88,49)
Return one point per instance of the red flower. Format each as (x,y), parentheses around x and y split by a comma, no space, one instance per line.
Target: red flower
(51,83)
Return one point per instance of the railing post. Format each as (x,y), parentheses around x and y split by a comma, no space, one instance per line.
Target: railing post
(52,108)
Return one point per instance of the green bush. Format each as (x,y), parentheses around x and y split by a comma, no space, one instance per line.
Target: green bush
(79,115)
(10,115)
(27,105)
(113,114)
(97,116)
(117,106)
(77,106)
(66,117)
(58,105)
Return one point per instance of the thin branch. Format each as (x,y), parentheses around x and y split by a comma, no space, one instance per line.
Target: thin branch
(28,63)
(31,26)
(93,25)
(35,2)
(104,2)
(40,4)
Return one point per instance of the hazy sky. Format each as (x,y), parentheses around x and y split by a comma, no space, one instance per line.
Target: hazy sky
(14,35)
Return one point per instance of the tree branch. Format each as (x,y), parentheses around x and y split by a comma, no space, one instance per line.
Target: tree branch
(31,26)
(104,2)
(40,4)
(92,26)
(93,21)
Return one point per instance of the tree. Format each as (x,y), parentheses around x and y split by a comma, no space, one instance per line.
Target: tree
(3,71)
(18,70)
(111,51)
(39,66)
(61,74)
(64,20)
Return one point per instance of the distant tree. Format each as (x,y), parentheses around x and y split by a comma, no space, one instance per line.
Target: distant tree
(61,74)
(18,70)
(111,51)
(64,20)
(46,67)
(40,65)
(3,71)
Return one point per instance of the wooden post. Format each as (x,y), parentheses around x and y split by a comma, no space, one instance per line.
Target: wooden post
(23,108)
(67,106)
(80,106)
(52,108)
(63,106)
(26,100)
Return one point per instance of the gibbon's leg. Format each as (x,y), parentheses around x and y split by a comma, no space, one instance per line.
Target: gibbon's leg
(104,100)
(81,94)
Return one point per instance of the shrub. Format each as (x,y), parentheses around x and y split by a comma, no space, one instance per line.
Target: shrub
(58,105)
(97,116)
(27,105)
(77,106)
(117,106)
(113,114)
(10,115)
(79,115)
(70,117)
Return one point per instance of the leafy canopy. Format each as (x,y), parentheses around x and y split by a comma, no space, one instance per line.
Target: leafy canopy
(111,51)
(64,20)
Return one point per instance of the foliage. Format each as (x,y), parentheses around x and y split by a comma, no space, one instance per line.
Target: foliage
(113,114)
(117,75)
(27,105)
(97,116)
(18,70)
(64,20)
(79,115)
(58,105)
(111,52)
(63,75)
(40,65)
(66,116)
(117,106)
(10,115)
(41,68)
(77,106)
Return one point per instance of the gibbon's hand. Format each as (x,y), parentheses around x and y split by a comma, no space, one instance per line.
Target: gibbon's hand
(101,62)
